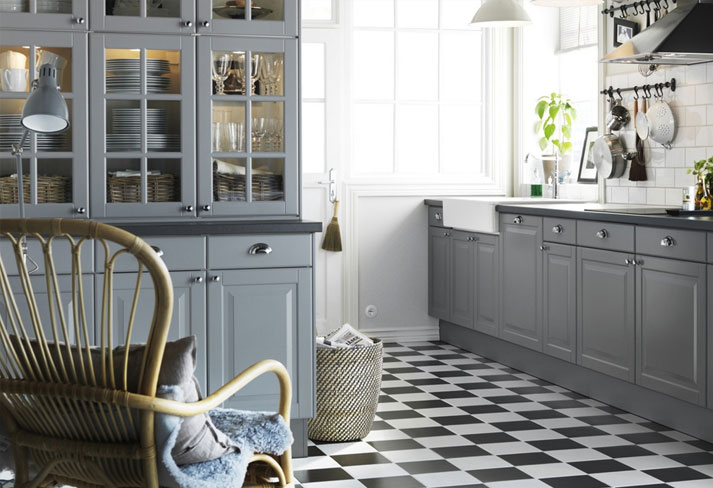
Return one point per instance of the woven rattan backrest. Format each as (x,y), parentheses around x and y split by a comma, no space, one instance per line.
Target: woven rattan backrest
(38,356)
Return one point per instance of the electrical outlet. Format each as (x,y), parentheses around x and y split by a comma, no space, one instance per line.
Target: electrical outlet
(371,311)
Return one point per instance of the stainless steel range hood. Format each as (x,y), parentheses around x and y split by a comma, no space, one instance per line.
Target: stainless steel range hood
(684,36)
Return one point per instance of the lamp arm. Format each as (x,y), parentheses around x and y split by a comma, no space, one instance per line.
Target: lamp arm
(17,152)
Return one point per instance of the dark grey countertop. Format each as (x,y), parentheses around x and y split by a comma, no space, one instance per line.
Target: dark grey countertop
(433,203)
(217,227)
(577,211)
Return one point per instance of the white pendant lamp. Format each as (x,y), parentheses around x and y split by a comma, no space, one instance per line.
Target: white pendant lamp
(566,3)
(501,13)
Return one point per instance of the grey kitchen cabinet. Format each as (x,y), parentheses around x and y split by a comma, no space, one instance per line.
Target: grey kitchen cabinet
(39,17)
(151,17)
(439,263)
(559,301)
(521,272)
(671,327)
(54,166)
(266,17)
(164,163)
(462,292)
(606,304)
(189,311)
(258,314)
(486,311)
(710,329)
(39,285)
(258,173)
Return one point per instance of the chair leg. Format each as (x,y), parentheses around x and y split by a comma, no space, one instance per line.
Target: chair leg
(22,466)
(286,462)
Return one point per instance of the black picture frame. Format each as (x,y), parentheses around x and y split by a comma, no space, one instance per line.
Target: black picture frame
(587,169)
(624,30)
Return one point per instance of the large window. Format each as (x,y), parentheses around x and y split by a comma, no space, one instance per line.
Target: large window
(413,90)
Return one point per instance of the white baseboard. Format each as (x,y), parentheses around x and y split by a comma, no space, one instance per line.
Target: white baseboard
(404,334)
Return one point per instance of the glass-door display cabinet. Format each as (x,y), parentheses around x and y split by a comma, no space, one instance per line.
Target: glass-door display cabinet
(142,125)
(54,165)
(248,17)
(150,16)
(43,14)
(247,131)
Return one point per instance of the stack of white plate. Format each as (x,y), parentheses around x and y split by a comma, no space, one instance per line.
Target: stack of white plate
(127,76)
(54,6)
(128,120)
(13,6)
(11,133)
(132,142)
(133,66)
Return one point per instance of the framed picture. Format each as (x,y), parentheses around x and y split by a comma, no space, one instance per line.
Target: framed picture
(624,30)
(587,169)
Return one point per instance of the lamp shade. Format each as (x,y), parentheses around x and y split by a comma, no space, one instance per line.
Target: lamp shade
(501,13)
(45,110)
(566,3)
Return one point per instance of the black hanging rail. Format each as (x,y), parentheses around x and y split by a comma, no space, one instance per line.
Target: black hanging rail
(644,91)
(637,8)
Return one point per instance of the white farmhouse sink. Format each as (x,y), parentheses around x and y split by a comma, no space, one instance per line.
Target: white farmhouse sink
(477,214)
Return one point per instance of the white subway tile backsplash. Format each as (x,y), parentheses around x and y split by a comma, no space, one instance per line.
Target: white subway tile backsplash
(696,75)
(710,72)
(674,196)
(694,154)
(704,94)
(619,195)
(665,177)
(685,137)
(637,195)
(685,96)
(682,178)
(694,116)
(655,157)
(656,196)
(675,157)
(703,136)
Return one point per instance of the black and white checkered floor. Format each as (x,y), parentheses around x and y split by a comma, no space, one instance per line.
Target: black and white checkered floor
(450,418)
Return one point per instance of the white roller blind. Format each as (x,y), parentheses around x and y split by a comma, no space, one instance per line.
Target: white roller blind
(578,27)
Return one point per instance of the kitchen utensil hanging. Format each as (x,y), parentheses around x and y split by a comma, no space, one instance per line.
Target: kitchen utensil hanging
(619,116)
(642,122)
(608,156)
(637,8)
(662,123)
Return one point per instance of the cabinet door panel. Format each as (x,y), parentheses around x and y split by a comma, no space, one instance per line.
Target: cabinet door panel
(42,298)
(267,17)
(256,315)
(168,16)
(520,277)
(461,276)
(439,263)
(606,304)
(709,356)
(670,326)
(486,283)
(188,316)
(39,17)
(559,301)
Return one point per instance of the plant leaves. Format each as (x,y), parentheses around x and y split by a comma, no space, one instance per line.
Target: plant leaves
(538,126)
(566,147)
(540,108)
(568,118)
(554,110)
(549,130)
(543,144)
(566,132)
(573,113)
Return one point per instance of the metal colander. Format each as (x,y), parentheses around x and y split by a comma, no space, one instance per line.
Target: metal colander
(662,123)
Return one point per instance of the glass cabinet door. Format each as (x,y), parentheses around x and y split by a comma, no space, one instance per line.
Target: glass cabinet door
(265,17)
(247,142)
(142,126)
(55,168)
(43,14)
(150,16)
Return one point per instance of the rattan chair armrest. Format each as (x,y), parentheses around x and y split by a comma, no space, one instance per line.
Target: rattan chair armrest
(162,405)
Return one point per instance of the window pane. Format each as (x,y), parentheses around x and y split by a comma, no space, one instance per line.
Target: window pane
(313,70)
(313,137)
(457,14)
(461,65)
(373,138)
(417,138)
(461,139)
(373,65)
(417,13)
(317,10)
(374,13)
(418,74)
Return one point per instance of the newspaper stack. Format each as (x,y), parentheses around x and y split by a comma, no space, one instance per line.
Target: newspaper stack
(344,337)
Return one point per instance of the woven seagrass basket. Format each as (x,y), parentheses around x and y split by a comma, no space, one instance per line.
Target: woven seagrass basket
(127,189)
(50,189)
(348,386)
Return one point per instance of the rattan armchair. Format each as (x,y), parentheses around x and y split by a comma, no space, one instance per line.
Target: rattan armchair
(52,401)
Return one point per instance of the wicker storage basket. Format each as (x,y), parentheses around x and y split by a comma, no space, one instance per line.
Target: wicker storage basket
(348,386)
(127,189)
(232,188)
(50,189)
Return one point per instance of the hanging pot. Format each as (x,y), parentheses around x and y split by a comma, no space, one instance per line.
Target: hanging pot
(608,156)
(618,117)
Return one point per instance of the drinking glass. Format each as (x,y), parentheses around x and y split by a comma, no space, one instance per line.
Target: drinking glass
(254,71)
(259,134)
(270,73)
(225,136)
(240,137)
(221,63)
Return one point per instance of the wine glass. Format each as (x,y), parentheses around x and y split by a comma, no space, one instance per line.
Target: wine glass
(254,71)
(221,64)
(270,73)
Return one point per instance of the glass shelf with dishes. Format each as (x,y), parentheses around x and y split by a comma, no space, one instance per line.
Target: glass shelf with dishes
(44,14)
(248,17)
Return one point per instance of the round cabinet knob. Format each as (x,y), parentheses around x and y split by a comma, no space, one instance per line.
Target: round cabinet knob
(640,262)
(187,23)
(215,278)
(188,208)
(603,234)
(205,23)
(437,216)
(557,229)
(668,241)
(206,208)
(629,261)
(78,20)
(157,250)
(544,248)
(517,220)
(198,279)
(81,210)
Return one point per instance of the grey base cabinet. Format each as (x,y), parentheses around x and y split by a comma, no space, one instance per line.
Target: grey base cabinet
(710,327)
(257,314)
(671,327)
(521,265)
(486,282)
(606,325)
(559,301)
(439,262)
(462,296)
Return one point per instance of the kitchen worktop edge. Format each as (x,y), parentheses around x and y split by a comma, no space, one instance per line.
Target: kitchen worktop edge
(219,227)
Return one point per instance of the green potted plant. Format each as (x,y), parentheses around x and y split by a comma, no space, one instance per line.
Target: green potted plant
(703,171)
(554,126)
